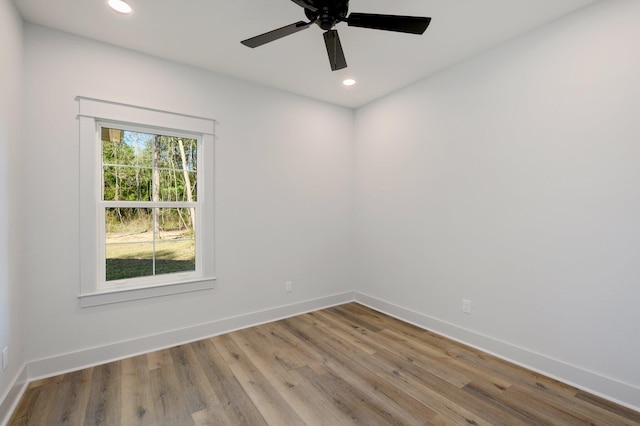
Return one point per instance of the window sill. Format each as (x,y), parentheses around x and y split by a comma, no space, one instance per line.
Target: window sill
(107,297)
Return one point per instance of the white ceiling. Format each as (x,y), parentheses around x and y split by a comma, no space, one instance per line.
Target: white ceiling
(207,34)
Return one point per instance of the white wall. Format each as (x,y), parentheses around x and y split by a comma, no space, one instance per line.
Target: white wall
(283,200)
(512,180)
(11,331)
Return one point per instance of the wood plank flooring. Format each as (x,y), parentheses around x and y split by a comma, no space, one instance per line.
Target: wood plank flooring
(339,366)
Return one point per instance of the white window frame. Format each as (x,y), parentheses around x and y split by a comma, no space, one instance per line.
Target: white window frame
(153,280)
(95,113)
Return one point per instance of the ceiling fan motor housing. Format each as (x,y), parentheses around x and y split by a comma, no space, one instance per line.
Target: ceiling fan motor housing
(328,13)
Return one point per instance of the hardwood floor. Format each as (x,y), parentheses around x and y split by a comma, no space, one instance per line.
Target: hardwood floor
(339,366)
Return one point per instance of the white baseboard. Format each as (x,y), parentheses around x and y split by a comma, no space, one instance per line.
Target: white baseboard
(11,398)
(89,357)
(613,390)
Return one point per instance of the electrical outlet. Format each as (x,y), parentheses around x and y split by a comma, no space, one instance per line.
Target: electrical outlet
(288,286)
(5,358)
(466,306)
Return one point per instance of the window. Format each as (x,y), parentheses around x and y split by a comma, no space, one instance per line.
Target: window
(149,205)
(146,198)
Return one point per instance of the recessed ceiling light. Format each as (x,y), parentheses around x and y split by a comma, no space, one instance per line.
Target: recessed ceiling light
(349,82)
(119,6)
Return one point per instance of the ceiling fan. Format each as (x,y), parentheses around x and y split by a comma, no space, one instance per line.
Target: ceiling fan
(328,13)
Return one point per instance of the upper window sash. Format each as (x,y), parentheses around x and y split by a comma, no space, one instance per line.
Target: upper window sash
(147,130)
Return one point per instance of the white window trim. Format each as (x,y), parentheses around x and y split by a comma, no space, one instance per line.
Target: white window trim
(91,113)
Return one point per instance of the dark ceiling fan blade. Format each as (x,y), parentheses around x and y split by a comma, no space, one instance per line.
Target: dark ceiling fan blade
(276,34)
(402,24)
(334,50)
